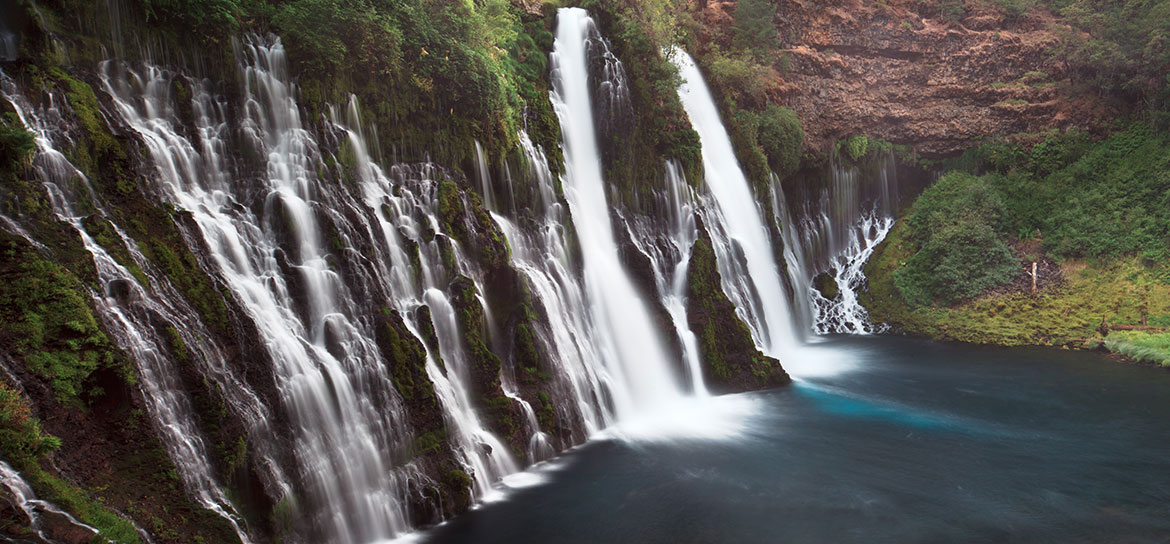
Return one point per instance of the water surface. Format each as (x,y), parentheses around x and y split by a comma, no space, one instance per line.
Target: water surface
(895,440)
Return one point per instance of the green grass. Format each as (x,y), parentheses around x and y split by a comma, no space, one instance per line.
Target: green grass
(1146,347)
(1116,291)
(24,444)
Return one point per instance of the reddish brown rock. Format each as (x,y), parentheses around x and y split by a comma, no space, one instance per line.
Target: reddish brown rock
(908,75)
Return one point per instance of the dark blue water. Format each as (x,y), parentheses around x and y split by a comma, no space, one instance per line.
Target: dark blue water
(917,442)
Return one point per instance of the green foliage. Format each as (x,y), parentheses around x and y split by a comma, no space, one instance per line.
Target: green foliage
(855,147)
(957,262)
(16,147)
(740,78)
(1141,346)
(329,35)
(767,141)
(955,198)
(755,29)
(207,18)
(1101,199)
(21,436)
(1120,46)
(954,225)
(1112,202)
(44,309)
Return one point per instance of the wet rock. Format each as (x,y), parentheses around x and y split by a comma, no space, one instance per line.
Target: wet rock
(731,361)
(61,527)
(827,285)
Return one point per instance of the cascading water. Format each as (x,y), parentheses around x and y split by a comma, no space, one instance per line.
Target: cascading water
(130,312)
(747,264)
(542,256)
(834,231)
(334,385)
(669,251)
(406,204)
(640,376)
(21,496)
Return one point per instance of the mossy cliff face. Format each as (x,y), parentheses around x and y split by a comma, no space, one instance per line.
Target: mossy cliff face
(406,357)
(74,376)
(95,453)
(731,361)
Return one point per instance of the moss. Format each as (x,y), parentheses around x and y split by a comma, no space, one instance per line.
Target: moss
(48,321)
(459,483)
(170,255)
(501,412)
(729,355)
(827,285)
(1067,314)
(405,355)
(102,232)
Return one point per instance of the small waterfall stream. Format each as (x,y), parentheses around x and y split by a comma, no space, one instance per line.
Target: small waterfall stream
(18,493)
(406,204)
(834,230)
(541,253)
(669,251)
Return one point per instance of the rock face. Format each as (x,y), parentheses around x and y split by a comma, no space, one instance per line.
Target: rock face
(903,72)
(731,360)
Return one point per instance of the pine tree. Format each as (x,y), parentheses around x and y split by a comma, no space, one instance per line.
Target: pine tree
(754,28)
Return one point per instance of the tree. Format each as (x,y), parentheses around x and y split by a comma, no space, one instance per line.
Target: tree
(755,29)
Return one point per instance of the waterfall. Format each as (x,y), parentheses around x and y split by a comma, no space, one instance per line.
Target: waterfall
(22,497)
(485,178)
(541,254)
(639,368)
(266,241)
(833,231)
(130,312)
(669,251)
(746,261)
(9,47)
(406,204)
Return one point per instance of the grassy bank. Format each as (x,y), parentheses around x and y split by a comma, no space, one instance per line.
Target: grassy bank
(1090,214)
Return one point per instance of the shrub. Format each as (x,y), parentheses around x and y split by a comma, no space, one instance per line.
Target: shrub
(743,80)
(16,147)
(781,137)
(959,261)
(956,197)
(855,147)
(955,225)
(755,29)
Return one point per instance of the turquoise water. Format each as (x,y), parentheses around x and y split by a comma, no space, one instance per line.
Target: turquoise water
(905,441)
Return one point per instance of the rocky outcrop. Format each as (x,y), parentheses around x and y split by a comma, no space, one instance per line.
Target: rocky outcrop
(731,360)
(903,72)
